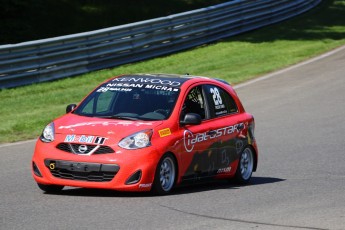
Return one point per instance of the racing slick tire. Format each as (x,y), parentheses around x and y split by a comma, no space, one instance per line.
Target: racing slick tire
(245,166)
(165,175)
(50,188)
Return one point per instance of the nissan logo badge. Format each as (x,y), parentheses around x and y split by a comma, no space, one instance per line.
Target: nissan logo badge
(82,148)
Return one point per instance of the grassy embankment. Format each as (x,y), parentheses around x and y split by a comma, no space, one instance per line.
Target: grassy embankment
(26,110)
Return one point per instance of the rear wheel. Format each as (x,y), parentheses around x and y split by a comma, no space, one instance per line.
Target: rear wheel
(245,166)
(50,188)
(165,175)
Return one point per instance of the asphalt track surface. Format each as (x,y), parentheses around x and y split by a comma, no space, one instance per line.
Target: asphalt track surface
(300,182)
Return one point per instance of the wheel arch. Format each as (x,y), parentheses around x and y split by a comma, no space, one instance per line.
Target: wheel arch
(255,157)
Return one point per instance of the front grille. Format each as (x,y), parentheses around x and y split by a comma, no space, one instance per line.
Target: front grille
(82,171)
(104,150)
(79,148)
(83,176)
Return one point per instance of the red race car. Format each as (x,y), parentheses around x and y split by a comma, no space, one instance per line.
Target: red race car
(146,132)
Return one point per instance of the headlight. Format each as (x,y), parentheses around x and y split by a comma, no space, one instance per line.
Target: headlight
(48,133)
(137,140)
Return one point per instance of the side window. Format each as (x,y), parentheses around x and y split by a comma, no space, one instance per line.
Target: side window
(194,103)
(221,103)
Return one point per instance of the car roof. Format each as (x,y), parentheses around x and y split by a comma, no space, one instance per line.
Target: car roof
(173,79)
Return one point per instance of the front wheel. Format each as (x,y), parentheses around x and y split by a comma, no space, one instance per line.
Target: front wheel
(245,166)
(165,175)
(50,188)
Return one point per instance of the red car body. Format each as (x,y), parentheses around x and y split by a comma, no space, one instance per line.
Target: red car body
(120,138)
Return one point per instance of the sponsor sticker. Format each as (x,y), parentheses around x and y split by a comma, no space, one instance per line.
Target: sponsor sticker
(224,170)
(147,80)
(85,139)
(130,87)
(145,185)
(164,132)
(190,139)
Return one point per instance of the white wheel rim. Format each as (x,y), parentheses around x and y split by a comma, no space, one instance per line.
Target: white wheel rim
(246,163)
(167,174)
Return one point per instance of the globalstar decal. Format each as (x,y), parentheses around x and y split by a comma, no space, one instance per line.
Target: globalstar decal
(191,139)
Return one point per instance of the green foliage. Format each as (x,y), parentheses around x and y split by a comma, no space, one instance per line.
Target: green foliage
(25,20)
(26,110)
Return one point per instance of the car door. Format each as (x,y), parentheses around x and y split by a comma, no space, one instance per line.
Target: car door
(227,126)
(198,149)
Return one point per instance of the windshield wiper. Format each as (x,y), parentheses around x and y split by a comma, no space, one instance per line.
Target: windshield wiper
(120,117)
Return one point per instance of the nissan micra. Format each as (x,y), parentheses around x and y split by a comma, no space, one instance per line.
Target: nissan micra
(148,132)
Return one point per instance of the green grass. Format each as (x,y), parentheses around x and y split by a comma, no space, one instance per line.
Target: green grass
(26,110)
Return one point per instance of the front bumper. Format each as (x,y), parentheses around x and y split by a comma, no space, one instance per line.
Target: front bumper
(82,171)
(123,170)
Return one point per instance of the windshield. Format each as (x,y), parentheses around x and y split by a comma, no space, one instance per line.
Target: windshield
(129,102)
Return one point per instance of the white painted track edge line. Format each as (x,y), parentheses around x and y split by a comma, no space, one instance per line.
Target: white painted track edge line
(17,143)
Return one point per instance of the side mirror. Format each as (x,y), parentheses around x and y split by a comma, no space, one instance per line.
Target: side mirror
(70,108)
(191,119)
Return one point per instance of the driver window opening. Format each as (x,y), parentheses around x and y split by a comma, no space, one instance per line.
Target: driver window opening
(194,103)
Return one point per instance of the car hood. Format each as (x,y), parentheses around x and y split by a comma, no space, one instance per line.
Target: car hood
(80,125)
